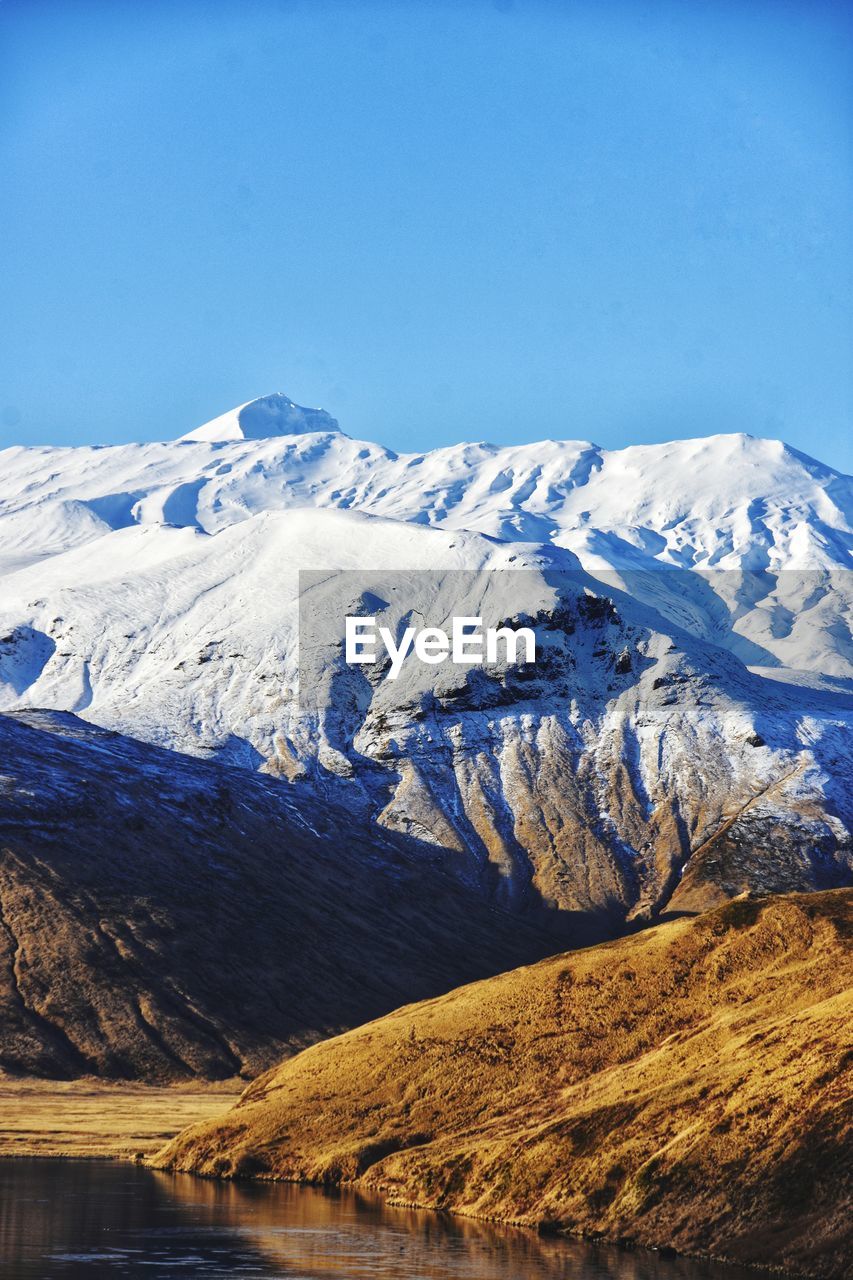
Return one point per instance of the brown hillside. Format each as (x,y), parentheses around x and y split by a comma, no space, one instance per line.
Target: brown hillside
(685,1087)
(162,918)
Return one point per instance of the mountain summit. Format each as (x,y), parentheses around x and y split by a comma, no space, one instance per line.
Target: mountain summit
(275,415)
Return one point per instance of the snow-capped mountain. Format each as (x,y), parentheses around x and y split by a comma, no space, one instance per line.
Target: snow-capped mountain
(726,502)
(274,415)
(721,503)
(688,737)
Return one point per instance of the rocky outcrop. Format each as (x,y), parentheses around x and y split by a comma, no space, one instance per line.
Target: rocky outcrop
(619,787)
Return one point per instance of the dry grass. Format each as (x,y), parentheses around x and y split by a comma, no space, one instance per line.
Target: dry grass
(685,1087)
(90,1118)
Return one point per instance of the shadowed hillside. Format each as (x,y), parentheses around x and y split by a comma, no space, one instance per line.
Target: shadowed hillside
(683,1087)
(163,918)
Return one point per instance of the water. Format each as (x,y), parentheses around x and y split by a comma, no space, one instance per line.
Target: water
(96,1219)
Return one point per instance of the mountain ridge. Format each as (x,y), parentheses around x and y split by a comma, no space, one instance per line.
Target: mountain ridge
(691,671)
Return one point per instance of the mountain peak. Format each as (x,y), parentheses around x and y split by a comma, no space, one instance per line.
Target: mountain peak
(268,416)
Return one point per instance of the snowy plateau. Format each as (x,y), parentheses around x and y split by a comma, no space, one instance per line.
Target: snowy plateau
(687,737)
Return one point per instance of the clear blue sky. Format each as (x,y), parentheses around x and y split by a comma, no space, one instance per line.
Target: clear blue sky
(620,221)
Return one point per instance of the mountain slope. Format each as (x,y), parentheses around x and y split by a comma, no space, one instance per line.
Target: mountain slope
(686,737)
(686,1087)
(588,786)
(163,918)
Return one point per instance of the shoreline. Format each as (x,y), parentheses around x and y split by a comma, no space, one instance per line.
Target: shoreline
(626,1244)
(115,1142)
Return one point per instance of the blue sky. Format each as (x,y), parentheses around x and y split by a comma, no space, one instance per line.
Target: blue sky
(619,221)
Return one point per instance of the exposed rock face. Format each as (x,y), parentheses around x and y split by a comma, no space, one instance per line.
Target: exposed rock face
(616,786)
(163,917)
(686,1087)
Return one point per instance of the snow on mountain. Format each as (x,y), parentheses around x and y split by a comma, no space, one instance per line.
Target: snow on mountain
(753,507)
(728,502)
(154,589)
(190,640)
(274,415)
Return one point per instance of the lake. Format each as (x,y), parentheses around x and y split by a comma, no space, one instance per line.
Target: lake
(90,1218)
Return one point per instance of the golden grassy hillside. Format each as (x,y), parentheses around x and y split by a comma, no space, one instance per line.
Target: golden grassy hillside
(682,1087)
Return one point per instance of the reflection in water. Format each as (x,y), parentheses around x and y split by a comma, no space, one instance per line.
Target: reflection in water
(61,1219)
